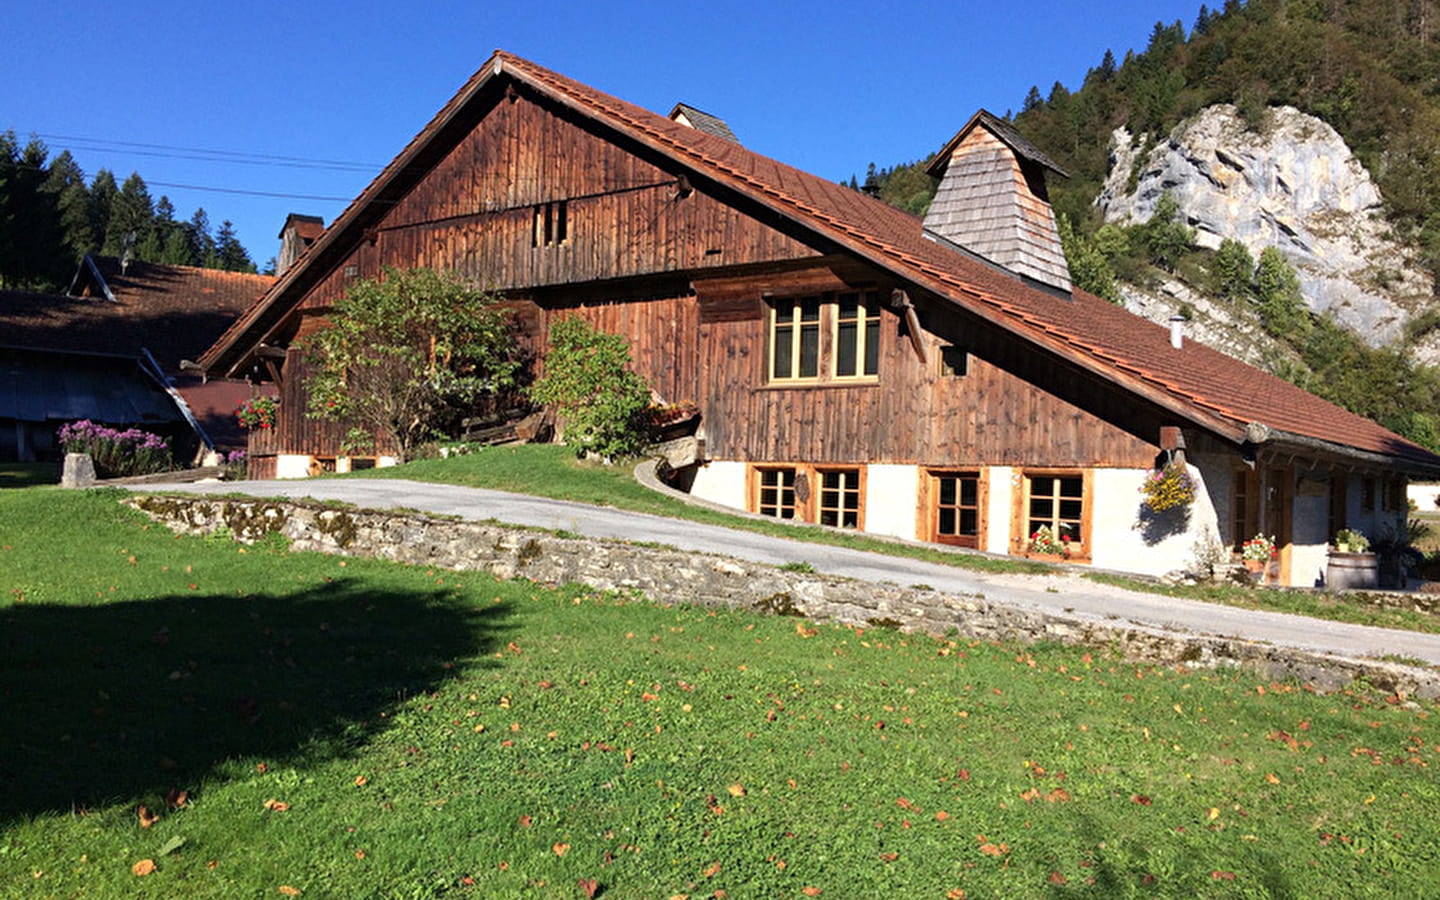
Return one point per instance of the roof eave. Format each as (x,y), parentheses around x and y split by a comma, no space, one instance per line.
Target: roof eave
(1261,435)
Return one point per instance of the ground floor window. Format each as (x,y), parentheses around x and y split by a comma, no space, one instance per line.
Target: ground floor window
(776,492)
(1060,502)
(840,497)
(955,509)
(830,495)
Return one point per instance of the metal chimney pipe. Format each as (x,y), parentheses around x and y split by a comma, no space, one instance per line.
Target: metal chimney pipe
(1177,331)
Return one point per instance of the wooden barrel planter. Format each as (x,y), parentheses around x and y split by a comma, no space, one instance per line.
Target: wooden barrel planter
(1352,572)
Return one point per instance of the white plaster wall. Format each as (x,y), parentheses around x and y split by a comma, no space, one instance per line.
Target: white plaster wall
(292,465)
(1425,496)
(721,481)
(892,494)
(1003,484)
(1119,539)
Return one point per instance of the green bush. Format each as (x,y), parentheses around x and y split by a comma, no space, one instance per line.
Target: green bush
(590,386)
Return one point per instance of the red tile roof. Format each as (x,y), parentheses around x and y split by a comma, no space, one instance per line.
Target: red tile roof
(1196,383)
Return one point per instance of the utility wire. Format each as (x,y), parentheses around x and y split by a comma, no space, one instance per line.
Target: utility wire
(220,190)
(201,153)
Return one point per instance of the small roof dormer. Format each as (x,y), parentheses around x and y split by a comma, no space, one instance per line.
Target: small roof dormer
(992,200)
(691,117)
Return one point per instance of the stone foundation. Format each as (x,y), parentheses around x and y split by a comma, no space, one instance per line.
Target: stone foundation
(676,576)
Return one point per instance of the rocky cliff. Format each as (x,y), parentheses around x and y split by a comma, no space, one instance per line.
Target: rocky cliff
(1295,185)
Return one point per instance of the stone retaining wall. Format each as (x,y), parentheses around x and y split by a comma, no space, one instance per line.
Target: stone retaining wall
(678,576)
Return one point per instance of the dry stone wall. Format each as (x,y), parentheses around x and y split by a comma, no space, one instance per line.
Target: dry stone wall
(676,576)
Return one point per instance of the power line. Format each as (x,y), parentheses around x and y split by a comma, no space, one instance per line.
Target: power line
(201,153)
(220,190)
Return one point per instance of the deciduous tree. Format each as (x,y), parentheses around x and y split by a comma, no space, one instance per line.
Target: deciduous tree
(405,350)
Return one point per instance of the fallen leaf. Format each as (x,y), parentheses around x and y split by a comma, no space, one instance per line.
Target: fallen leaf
(525,821)
(361,781)
(941,816)
(174,799)
(736,790)
(1140,799)
(1057,878)
(711,870)
(955,894)
(276,805)
(588,887)
(359,854)
(1213,814)
(146,817)
(1222,876)
(289,891)
(561,849)
(1272,778)
(143,867)
(811,891)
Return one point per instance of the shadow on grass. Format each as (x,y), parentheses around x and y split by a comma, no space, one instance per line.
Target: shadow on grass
(123,702)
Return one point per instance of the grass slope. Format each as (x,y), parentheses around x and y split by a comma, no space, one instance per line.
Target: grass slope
(351,728)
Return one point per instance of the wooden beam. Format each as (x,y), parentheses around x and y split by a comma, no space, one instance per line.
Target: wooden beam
(901,300)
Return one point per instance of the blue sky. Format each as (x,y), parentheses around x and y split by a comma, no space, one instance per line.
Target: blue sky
(827,87)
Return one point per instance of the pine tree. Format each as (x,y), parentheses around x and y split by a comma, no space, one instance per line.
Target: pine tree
(132,217)
(1233,271)
(72,200)
(103,193)
(230,255)
(202,245)
(1277,289)
(1033,100)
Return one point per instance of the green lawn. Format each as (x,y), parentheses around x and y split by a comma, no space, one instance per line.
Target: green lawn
(350,728)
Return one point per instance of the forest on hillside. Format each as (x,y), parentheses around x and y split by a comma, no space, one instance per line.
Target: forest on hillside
(1369,68)
(50,217)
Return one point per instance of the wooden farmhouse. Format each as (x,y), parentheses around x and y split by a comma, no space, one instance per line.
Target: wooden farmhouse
(853,365)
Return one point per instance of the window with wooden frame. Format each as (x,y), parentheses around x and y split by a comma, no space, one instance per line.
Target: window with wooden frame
(795,339)
(1058,499)
(1367,495)
(829,337)
(857,335)
(830,495)
(841,498)
(955,508)
(775,492)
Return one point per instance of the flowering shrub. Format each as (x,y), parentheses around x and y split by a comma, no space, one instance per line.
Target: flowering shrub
(1168,488)
(257,412)
(1050,540)
(236,465)
(117,454)
(1259,547)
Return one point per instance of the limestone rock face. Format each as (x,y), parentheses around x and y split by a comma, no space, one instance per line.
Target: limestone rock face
(1295,186)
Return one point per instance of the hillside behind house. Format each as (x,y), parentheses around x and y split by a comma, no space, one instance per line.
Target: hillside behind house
(1273,174)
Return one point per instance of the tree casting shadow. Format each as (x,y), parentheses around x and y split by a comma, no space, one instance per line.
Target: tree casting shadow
(126,701)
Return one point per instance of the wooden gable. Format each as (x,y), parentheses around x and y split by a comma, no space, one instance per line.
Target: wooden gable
(535,197)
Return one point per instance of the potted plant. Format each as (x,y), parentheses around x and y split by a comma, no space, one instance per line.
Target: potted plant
(1257,552)
(1350,541)
(1168,488)
(1048,541)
